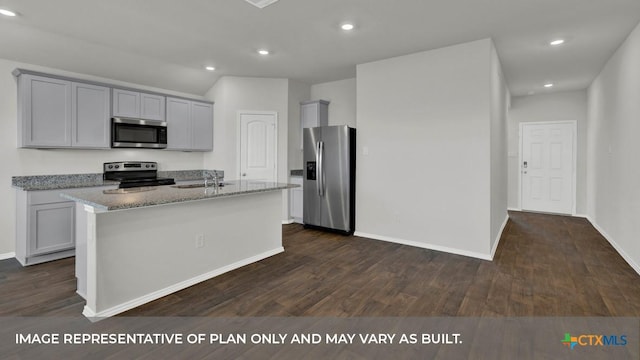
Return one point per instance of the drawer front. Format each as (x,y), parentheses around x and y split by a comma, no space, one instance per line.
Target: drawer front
(37,197)
(296,180)
(45,197)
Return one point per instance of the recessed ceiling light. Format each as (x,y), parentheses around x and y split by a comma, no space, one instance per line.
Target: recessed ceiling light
(263,52)
(557,42)
(210,68)
(347,26)
(261,3)
(6,12)
(548,85)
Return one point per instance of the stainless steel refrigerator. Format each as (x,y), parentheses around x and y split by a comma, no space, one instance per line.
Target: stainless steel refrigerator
(329,155)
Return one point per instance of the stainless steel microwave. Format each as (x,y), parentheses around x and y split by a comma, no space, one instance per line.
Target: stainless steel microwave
(138,133)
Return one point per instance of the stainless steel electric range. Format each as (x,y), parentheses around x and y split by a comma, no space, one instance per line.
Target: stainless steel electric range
(132,174)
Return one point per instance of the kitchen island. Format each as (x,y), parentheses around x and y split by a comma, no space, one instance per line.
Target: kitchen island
(136,245)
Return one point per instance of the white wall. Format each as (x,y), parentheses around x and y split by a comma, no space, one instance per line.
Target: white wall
(555,106)
(234,94)
(16,162)
(425,121)
(298,92)
(342,95)
(500,99)
(613,150)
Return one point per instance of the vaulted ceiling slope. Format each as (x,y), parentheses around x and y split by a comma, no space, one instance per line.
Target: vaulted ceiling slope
(167,43)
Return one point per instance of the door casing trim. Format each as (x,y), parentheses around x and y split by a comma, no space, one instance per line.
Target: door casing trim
(574,124)
(239,114)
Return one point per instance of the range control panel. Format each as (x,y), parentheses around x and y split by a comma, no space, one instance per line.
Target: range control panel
(130,166)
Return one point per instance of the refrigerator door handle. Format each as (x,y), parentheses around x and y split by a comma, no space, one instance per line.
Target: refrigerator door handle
(320,162)
(318,168)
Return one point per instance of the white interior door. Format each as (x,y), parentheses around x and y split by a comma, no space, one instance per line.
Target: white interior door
(548,167)
(258,146)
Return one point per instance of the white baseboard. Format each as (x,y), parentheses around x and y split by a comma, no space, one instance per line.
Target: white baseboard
(7,256)
(287,222)
(425,245)
(495,243)
(544,213)
(93,316)
(615,245)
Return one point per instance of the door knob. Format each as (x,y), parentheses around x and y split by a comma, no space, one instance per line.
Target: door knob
(244,174)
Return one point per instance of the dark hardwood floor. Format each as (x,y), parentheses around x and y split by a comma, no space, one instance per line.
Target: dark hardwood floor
(544,266)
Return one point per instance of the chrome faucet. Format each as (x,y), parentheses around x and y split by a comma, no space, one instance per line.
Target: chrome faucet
(214,178)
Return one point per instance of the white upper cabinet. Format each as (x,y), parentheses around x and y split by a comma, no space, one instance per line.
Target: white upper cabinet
(178,124)
(133,104)
(152,107)
(126,103)
(189,125)
(90,116)
(44,112)
(202,126)
(59,113)
(313,114)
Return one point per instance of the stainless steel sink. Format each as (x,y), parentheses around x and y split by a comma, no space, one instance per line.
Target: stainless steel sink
(192,186)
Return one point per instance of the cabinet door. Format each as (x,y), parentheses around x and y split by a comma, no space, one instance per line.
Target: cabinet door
(297,195)
(309,115)
(51,227)
(202,126)
(45,112)
(152,107)
(313,114)
(308,118)
(296,204)
(126,103)
(90,116)
(178,124)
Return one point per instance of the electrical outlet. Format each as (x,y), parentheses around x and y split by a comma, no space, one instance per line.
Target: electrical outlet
(199,240)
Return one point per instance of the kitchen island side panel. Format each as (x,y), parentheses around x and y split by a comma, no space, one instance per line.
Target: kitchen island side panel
(145,253)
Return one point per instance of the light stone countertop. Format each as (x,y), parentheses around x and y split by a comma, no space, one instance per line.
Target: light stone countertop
(157,195)
(70,181)
(53,182)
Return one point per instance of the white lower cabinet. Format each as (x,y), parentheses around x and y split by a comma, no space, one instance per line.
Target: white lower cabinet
(51,228)
(45,226)
(296,196)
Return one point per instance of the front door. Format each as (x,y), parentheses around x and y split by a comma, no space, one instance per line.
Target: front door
(258,146)
(548,167)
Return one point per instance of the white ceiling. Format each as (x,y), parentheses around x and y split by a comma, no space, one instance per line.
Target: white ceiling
(166,43)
